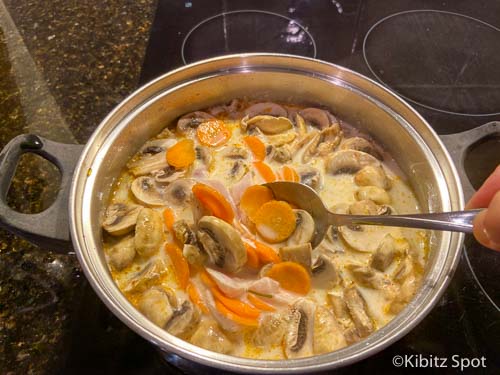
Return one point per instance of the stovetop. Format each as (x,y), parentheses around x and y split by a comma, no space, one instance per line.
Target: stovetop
(441,56)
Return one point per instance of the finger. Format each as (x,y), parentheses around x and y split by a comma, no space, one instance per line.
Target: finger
(487,225)
(485,194)
(492,219)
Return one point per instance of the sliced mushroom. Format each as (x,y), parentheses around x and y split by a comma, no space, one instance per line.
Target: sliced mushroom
(271,330)
(281,154)
(203,154)
(267,124)
(369,278)
(364,207)
(324,273)
(178,193)
(372,175)
(311,148)
(299,335)
(323,142)
(120,218)
(302,142)
(266,108)
(156,146)
(340,309)
(385,254)
(231,110)
(146,277)
(209,336)
(235,152)
(385,209)
(360,144)
(331,243)
(300,124)
(222,243)
(148,163)
(122,253)
(183,232)
(281,139)
(329,139)
(348,161)
(155,305)
(298,254)
(317,117)
(364,238)
(193,255)
(148,232)
(304,228)
(168,174)
(148,191)
(183,321)
(343,316)
(238,170)
(189,122)
(310,176)
(404,270)
(328,335)
(373,193)
(357,309)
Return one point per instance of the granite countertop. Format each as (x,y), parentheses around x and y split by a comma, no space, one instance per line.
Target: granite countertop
(64,65)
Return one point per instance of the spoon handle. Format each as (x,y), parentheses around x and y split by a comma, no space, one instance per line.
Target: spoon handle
(456,221)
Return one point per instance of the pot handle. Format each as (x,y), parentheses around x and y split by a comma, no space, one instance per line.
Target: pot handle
(459,143)
(49,228)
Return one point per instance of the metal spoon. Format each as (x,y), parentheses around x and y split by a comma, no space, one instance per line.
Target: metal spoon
(306,198)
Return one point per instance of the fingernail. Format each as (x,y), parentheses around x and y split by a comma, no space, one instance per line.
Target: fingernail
(494,242)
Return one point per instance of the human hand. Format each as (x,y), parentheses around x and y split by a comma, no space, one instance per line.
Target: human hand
(487,222)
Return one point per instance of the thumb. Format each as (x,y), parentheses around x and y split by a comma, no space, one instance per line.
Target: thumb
(487,224)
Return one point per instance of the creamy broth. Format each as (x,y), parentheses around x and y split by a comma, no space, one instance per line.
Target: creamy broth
(187,247)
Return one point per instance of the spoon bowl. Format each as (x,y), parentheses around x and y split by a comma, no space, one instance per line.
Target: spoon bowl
(307,199)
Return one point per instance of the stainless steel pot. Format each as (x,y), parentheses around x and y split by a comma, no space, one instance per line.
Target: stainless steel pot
(354,98)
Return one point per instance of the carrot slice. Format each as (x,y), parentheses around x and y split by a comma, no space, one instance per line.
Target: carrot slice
(258,303)
(235,305)
(275,221)
(182,154)
(249,322)
(291,276)
(169,218)
(257,147)
(207,279)
(213,133)
(181,266)
(266,253)
(213,201)
(265,171)
(194,296)
(253,198)
(252,257)
(289,174)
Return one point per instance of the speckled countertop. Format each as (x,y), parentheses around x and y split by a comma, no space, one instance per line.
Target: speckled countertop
(63,66)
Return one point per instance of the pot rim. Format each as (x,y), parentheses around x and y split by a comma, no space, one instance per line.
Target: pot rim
(106,289)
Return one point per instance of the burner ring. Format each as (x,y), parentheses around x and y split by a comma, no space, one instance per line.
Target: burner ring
(239,12)
(420,102)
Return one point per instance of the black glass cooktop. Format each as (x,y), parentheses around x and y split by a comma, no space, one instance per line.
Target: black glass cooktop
(441,56)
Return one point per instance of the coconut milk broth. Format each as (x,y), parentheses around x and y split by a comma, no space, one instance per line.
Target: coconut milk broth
(336,190)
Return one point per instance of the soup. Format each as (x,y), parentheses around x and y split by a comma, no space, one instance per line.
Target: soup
(196,242)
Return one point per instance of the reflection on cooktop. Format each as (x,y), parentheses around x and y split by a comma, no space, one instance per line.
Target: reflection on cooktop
(246,31)
(458,75)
